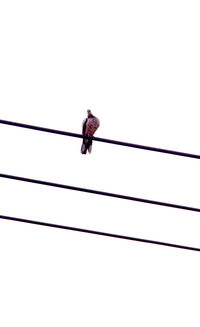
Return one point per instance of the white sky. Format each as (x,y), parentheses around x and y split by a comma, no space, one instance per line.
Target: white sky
(136,65)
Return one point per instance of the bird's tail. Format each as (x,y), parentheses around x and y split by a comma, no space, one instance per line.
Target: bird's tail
(86,146)
(83,148)
(90,147)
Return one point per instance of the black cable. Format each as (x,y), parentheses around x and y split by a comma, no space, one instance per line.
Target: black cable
(99,233)
(98,139)
(74,188)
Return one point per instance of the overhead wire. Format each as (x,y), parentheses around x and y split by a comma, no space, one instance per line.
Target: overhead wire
(18,178)
(28,221)
(86,190)
(98,139)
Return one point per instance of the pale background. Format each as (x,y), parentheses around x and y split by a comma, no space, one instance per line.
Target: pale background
(136,65)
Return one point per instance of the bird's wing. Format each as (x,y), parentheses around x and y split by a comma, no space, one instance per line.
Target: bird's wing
(84,126)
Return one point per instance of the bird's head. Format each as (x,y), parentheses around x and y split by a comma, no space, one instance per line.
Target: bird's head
(89,113)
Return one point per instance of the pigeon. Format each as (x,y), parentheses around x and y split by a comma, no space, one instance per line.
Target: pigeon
(89,127)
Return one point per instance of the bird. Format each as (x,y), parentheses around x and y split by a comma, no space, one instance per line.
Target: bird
(89,127)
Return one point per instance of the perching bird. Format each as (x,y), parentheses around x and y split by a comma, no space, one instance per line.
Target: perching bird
(89,127)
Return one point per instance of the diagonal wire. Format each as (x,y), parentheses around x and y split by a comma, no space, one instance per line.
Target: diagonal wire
(98,139)
(28,221)
(120,196)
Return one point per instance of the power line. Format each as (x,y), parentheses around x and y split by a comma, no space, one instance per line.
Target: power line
(120,196)
(98,139)
(99,233)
